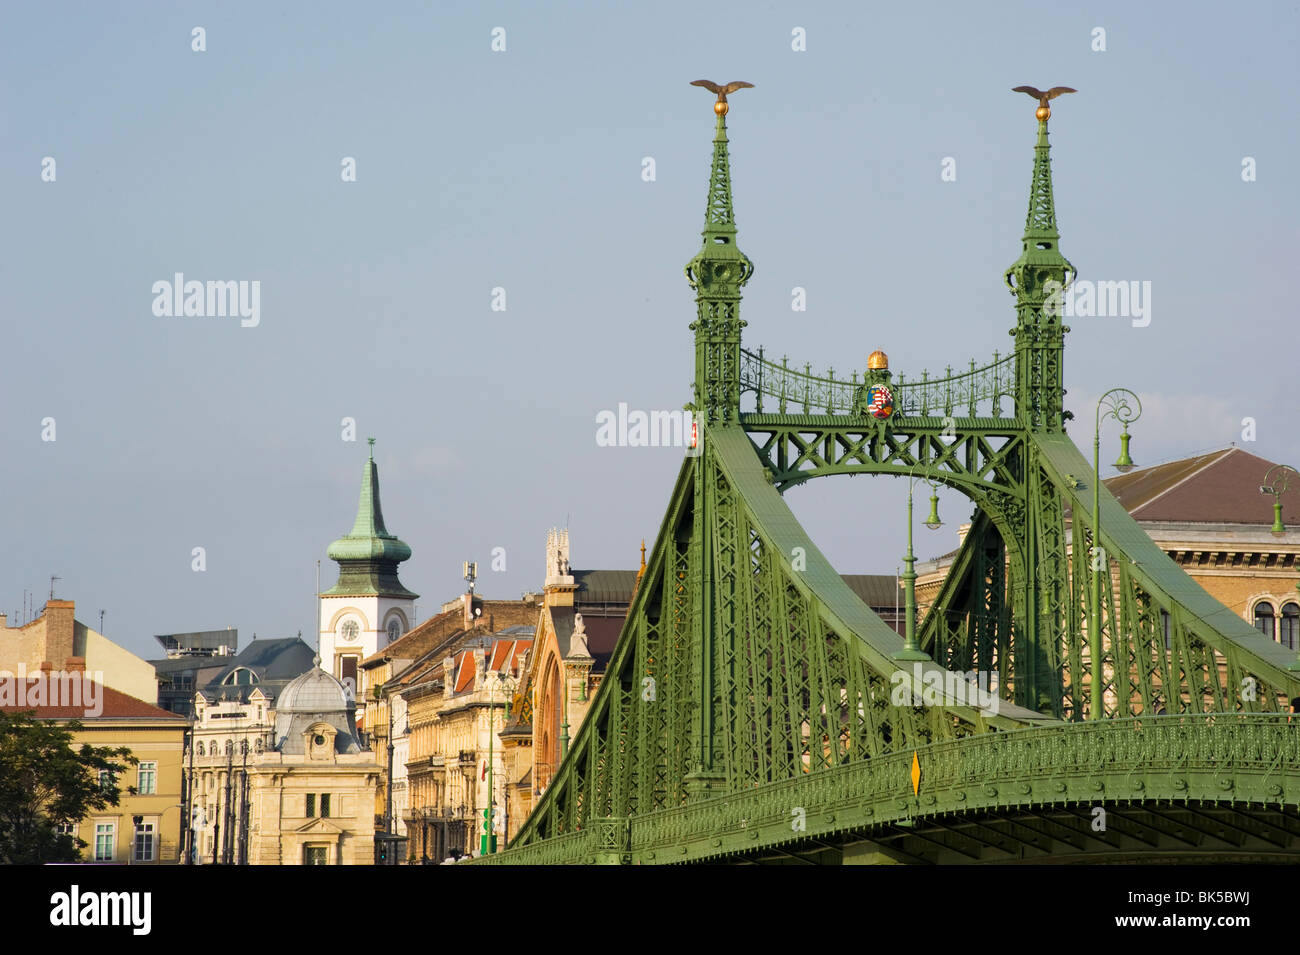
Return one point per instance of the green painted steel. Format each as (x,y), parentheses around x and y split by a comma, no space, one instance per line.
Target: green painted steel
(756,709)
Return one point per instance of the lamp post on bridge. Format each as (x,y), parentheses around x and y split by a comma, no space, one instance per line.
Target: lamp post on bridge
(1277,486)
(911,647)
(1113,404)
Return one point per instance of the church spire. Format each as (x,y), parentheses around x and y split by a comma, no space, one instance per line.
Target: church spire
(368,555)
(1038,279)
(717,273)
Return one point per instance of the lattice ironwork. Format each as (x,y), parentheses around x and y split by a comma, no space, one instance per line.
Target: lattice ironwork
(752,700)
(780,389)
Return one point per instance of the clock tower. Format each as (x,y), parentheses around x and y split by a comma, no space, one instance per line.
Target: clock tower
(368,608)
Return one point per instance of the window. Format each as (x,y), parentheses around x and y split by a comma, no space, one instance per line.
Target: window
(1264,619)
(394,629)
(348,675)
(148,778)
(311,805)
(325,805)
(106,780)
(144,842)
(315,855)
(201,753)
(105,836)
(240,676)
(67,829)
(1289,634)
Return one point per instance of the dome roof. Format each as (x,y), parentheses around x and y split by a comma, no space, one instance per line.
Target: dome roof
(314,692)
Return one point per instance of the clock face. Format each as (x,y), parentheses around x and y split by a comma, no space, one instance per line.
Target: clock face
(349,630)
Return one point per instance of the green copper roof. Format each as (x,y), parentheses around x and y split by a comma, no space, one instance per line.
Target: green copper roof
(368,555)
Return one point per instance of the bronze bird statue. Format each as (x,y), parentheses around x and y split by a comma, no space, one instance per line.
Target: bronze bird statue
(1043,111)
(720,107)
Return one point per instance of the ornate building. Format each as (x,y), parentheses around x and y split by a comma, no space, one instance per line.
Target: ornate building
(368,608)
(457,706)
(386,674)
(234,715)
(293,786)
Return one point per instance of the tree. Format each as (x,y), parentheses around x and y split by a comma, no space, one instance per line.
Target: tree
(45,783)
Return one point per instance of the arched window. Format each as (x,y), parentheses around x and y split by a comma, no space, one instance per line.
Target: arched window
(230,747)
(1264,619)
(201,748)
(1289,635)
(394,629)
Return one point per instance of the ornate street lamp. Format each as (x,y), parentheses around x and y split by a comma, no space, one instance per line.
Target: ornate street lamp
(1277,486)
(1124,406)
(911,648)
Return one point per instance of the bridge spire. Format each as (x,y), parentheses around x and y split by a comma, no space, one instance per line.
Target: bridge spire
(1037,279)
(717,273)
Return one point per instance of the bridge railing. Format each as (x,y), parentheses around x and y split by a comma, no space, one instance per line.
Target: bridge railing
(1045,764)
(1235,756)
(781,389)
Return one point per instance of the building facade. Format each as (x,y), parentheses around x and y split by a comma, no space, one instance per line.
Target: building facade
(144,828)
(57,641)
(457,772)
(285,786)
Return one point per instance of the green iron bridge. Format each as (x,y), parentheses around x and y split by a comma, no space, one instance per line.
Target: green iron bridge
(751,711)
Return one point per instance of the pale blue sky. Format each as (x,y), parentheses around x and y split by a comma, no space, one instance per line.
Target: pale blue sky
(522,170)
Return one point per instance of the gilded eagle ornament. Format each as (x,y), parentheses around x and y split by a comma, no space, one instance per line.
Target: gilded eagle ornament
(720,107)
(1043,111)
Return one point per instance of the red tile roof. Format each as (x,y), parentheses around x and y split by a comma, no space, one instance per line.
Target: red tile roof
(58,700)
(1221,487)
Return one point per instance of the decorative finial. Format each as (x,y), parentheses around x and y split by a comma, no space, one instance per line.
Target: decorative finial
(371,442)
(721,107)
(877,361)
(1043,112)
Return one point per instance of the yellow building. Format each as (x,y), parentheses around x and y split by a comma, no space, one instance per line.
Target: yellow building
(144,827)
(456,709)
(57,640)
(402,664)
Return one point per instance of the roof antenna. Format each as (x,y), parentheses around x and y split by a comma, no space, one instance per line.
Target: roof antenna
(316,659)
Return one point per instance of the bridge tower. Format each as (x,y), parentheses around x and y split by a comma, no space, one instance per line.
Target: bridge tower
(717,273)
(1037,279)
